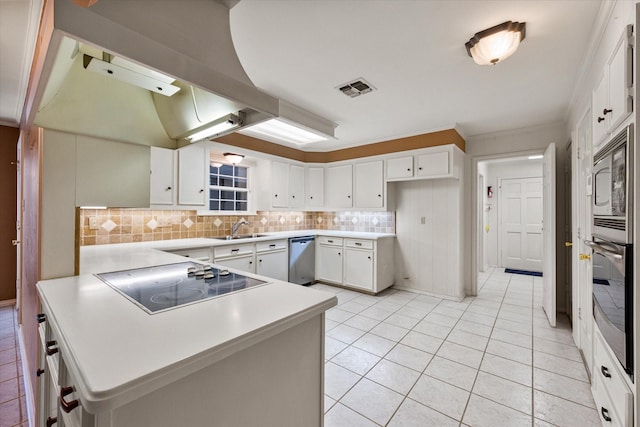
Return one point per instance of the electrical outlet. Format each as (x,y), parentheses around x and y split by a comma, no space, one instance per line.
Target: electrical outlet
(93,223)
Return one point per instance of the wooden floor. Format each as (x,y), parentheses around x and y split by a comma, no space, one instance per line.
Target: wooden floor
(13,407)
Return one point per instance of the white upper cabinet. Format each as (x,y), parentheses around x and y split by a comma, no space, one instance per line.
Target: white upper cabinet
(314,194)
(296,186)
(339,186)
(192,175)
(279,185)
(110,173)
(433,164)
(369,185)
(163,177)
(401,167)
(612,98)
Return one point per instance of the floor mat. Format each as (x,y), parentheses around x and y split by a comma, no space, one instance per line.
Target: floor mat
(525,272)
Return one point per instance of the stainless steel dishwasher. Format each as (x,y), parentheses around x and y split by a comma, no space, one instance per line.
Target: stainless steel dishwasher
(302,260)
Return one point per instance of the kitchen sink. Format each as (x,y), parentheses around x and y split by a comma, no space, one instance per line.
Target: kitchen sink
(239,236)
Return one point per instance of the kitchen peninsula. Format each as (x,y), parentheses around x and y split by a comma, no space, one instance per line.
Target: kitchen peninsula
(253,357)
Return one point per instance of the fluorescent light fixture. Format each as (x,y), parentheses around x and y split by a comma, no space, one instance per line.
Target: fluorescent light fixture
(93,207)
(281,130)
(234,159)
(215,128)
(490,46)
(132,77)
(535,157)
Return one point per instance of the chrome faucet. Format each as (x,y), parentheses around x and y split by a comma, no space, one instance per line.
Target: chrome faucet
(234,227)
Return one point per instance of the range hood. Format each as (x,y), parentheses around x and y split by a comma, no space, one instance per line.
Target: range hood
(188,43)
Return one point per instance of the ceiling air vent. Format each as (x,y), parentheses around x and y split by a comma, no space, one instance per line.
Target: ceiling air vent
(356,87)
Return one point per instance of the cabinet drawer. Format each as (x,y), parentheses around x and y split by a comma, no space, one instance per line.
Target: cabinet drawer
(200,254)
(232,250)
(606,368)
(358,243)
(604,404)
(271,245)
(332,241)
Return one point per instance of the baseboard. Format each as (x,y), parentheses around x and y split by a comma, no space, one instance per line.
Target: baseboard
(7,302)
(26,376)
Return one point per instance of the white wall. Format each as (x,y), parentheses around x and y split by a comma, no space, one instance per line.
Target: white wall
(494,172)
(428,255)
(508,144)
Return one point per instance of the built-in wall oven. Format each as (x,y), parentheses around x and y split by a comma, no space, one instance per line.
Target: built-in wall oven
(612,245)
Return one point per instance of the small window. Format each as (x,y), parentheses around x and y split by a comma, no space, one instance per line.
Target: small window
(229,188)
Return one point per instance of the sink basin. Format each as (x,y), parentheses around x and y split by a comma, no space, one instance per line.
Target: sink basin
(239,236)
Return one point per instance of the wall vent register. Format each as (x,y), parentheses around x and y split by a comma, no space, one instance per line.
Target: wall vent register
(164,287)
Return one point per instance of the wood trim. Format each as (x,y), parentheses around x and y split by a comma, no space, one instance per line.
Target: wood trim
(433,139)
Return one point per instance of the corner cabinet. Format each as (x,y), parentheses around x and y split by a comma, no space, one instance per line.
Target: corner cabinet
(612,99)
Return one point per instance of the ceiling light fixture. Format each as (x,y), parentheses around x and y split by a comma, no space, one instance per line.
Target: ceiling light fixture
(216,128)
(490,46)
(234,159)
(281,130)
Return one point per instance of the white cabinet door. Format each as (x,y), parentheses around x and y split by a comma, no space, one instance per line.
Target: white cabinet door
(339,186)
(192,175)
(296,186)
(369,185)
(620,101)
(111,173)
(315,187)
(434,164)
(401,167)
(273,264)
(329,264)
(162,176)
(358,269)
(242,263)
(279,185)
(599,101)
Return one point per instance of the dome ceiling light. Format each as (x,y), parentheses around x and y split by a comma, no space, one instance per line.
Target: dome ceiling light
(493,45)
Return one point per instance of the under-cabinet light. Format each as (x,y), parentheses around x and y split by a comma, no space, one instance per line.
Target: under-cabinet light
(215,128)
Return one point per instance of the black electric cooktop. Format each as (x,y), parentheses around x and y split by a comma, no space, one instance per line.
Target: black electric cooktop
(164,287)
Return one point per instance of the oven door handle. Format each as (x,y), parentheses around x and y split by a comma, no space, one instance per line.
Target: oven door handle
(604,249)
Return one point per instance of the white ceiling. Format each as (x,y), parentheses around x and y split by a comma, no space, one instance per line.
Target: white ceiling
(411,51)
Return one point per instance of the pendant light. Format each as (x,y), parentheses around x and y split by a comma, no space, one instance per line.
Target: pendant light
(490,46)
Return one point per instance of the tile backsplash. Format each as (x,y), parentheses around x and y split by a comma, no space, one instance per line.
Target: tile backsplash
(102,226)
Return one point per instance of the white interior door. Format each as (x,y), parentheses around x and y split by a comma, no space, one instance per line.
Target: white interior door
(549,233)
(521,208)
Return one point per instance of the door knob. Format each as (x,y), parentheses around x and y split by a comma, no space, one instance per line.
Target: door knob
(568,244)
(15,242)
(584,257)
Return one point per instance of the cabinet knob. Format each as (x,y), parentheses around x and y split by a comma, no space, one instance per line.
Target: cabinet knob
(349,196)
(605,414)
(600,119)
(379,195)
(50,349)
(275,195)
(67,406)
(339,253)
(250,262)
(605,371)
(369,257)
(420,168)
(293,196)
(311,197)
(607,111)
(408,169)
(168,189)
(201,191)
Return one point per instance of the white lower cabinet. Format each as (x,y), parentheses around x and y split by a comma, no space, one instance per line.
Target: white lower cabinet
(361,264)
(613,398)
(272,259)
(329,259)
(239,257)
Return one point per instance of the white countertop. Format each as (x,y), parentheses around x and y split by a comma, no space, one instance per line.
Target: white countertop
(122,256)
(118,352)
